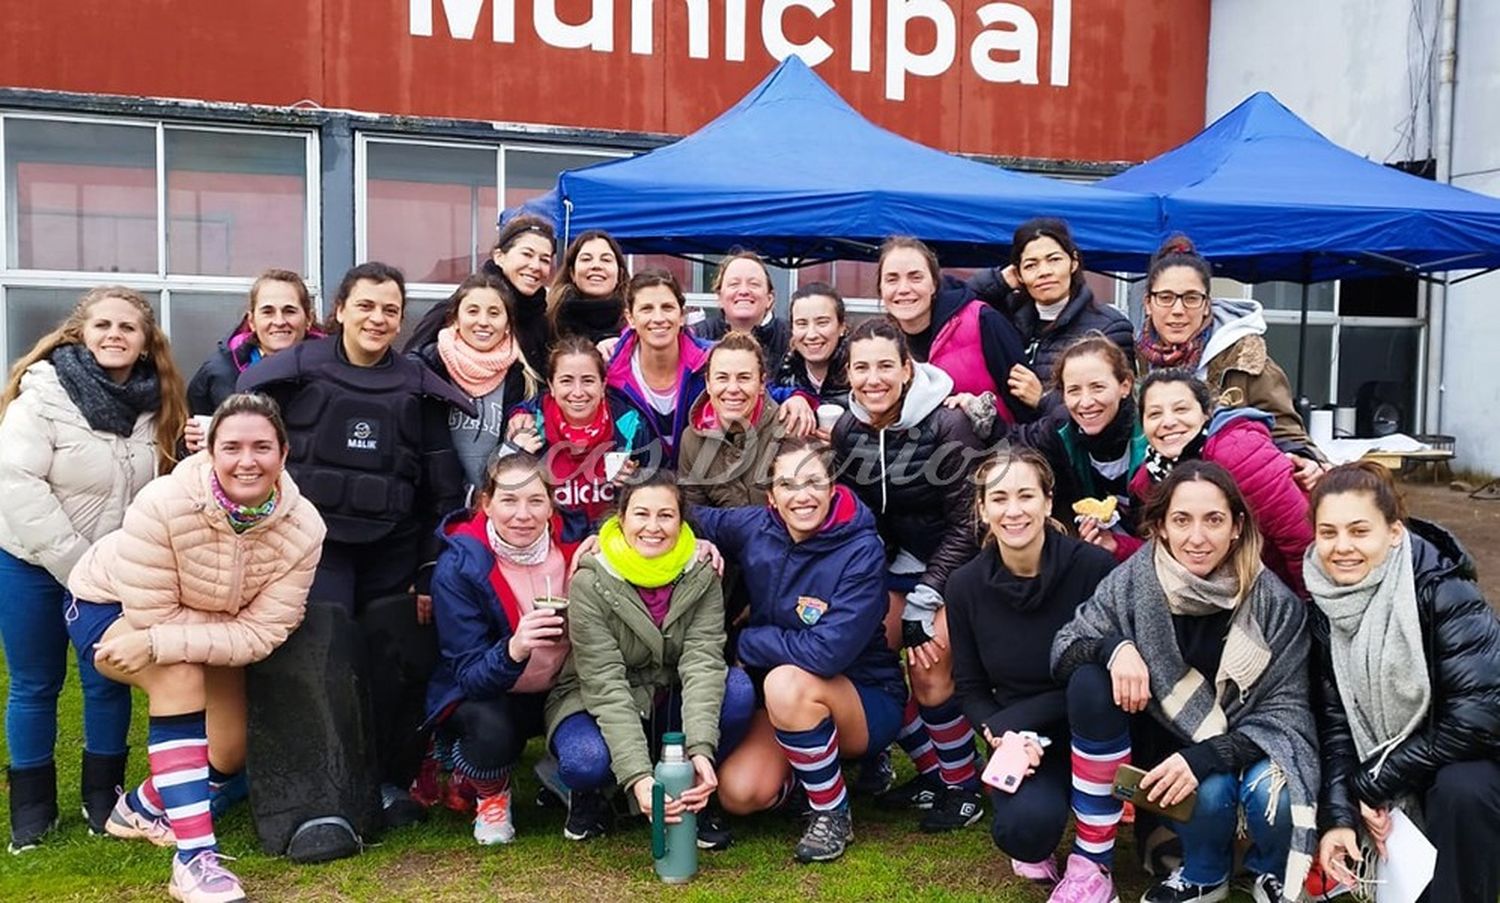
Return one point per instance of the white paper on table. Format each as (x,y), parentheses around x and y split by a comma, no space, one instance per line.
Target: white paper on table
(1409,861)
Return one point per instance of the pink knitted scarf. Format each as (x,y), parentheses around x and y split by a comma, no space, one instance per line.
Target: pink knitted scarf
(476,372)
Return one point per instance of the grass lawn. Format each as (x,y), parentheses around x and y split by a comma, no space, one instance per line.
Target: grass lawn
(890,860)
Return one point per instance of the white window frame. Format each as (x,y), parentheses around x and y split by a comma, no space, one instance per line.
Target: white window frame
(160,281)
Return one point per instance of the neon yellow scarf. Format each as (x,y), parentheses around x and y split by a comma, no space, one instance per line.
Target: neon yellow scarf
(649,573)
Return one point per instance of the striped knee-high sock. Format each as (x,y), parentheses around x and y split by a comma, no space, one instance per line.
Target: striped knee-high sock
(145,800)
(1095,809)
(814,754)
(487,782)
(177,746)
(954,740)
(915,741)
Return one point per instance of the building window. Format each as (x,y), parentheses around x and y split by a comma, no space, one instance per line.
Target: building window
(82,200)
(236,203)
(81,196)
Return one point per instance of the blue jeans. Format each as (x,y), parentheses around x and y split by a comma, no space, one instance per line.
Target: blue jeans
(1208,837)
(36,654)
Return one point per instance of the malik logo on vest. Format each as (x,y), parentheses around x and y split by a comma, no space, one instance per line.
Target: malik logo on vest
(364,435)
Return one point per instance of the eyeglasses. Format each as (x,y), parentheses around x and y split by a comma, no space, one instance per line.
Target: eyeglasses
(1165,300)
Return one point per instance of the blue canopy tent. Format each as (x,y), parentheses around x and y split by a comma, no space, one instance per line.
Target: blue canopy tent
(795,172)
(1265,197)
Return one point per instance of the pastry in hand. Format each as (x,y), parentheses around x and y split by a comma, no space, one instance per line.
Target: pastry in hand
(1104,510)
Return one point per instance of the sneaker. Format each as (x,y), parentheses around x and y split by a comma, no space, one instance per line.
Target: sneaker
(713,833)
(1044,872)
(492,821)
(553,794)
(1085,881)
(427,787)
(921,792)
(877,775)
(460,795)
(229,794)
(203,879)
(793,802)
(1176,889)
(828,834)
(398,808)
(955,808)
(128,824)
(323,840)
(1162,854)
(1320,886)
(1266,889)
(588,815)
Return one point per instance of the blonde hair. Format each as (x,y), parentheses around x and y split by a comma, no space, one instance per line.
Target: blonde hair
(172,413)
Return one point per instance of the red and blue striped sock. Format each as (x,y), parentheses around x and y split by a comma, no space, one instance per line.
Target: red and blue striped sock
(814,754)
(915,740)
(177,747)
(954,740)
(1095,810)
(145,801)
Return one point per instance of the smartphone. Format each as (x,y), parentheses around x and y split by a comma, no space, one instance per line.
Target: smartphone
(1008,764)
(1127,786)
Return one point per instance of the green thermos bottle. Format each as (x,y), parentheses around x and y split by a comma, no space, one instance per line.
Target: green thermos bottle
(674,847)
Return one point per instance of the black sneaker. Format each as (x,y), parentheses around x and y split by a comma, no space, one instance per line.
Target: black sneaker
(794,803)
(876,775)
(398,809)
(588,815)
(1176,889)
(713,832)
(956,808)
(1266,889)
(828,834)
(921,792)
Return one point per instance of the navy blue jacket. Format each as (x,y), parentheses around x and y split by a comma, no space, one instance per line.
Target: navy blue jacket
(842,567)
(473,632)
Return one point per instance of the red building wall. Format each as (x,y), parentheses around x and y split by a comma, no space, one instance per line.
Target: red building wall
(1133,83)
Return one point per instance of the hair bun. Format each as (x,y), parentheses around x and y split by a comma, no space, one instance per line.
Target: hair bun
(1177,244)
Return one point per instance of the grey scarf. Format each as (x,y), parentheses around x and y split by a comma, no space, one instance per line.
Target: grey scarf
(108,406)
(1375,637)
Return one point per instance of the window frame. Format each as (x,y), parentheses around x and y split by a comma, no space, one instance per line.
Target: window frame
(161,280)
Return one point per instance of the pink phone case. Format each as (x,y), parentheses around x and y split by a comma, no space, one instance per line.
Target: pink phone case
(1008,765)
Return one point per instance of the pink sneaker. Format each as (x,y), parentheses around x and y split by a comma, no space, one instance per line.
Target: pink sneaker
(1044,872)
(203,879)
(1085,881)
(128,824)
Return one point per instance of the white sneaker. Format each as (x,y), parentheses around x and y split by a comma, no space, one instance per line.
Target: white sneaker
(492,823)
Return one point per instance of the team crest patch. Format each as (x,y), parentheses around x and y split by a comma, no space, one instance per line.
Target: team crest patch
(364,435)
(810,610)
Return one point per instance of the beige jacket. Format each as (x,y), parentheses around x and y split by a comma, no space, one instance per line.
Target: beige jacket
(207,594)
(62,484)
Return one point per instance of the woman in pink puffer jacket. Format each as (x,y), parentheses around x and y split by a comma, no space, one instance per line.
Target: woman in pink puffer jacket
(209,573)
(1180,424)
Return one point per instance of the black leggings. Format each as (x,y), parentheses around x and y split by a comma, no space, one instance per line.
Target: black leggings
(1029,823)
(489,735)
(1462,810)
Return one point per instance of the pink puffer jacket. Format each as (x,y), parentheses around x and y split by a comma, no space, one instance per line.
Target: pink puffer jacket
(1243,446)
(207,594)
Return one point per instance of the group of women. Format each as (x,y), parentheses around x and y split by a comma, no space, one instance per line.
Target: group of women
(561,513)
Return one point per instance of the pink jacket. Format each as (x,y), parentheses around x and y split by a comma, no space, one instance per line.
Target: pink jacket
(1241,443)
(207,594)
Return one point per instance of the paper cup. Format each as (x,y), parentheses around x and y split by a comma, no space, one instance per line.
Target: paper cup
(203,420)
(613,461)
(828,415)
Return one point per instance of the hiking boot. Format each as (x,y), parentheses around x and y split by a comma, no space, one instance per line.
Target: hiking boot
(828,834)
(713,832)
(100,781)
(877,775)
(588,815)
(397,807)
(203,879)
(955,808)
(1043,873)
(1085,881)
(1176,889)
(492,821)
(127,824)
(921,792)
(33,805)
(1266,889)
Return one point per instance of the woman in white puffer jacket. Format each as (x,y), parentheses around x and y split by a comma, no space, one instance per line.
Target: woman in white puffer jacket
(88,416)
